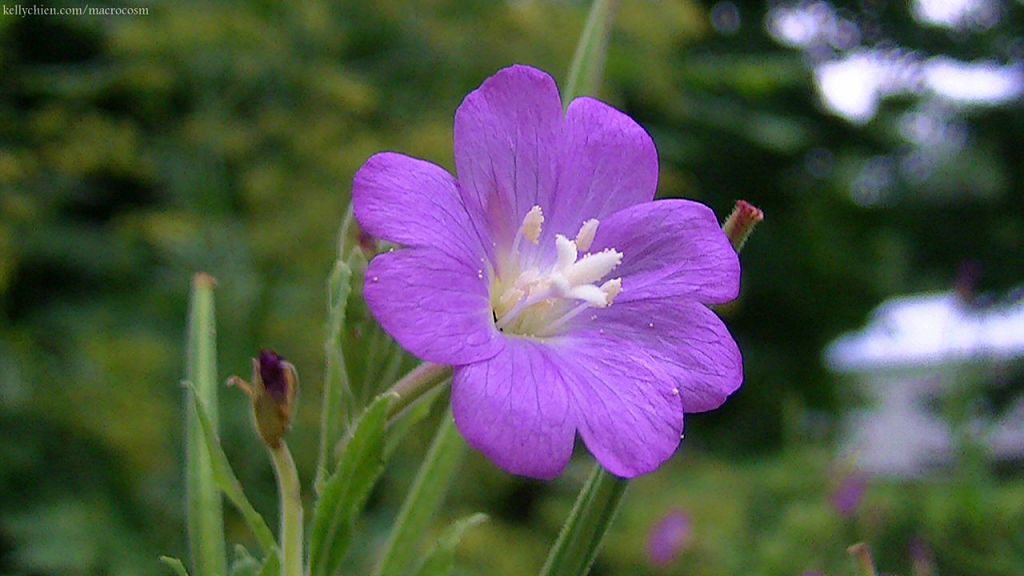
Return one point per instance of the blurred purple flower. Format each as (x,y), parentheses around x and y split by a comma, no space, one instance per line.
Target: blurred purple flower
(563,297)
(669,538)
(846,496)
(921,557)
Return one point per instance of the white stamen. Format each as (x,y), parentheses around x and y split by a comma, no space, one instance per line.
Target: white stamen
(528,279)
(590,294)
(510,297)
(593,267)
(532,224)
(585,237)
(556,324)
(533,303)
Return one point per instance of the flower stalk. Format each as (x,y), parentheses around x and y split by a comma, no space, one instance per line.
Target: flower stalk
(862,557)
(415,384)
(601,497)
(290,493)
(273,394)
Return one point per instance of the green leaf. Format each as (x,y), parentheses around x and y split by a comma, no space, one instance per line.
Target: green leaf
(205,515)
(228,483)
(337,396)
(423,500)
(588,61)
(380,360)
(582,534)
(346,490)
(441,558)
(244,564)
(175,565)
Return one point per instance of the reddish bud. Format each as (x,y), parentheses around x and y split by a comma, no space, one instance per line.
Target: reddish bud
(741,223)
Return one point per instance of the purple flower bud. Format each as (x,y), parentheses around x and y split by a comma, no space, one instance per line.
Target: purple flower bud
(272,393)
(274,374)
(669,538)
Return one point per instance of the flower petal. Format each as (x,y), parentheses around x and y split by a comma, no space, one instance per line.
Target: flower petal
(669,248)
(685,338)
(434,305)
(607,162)
(514,408)
(626,411)
(413,203)
(505,149)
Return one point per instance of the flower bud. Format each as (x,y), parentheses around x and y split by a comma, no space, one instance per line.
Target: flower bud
(272,393)
(738,226)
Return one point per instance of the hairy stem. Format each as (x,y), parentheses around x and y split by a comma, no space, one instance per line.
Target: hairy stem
(291,510)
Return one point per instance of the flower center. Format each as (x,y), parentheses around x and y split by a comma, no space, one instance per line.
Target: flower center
(538,301)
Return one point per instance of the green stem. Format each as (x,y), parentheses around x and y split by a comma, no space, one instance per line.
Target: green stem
(599,500)
(582,533)
(291,510)
(336,408)
(415,384)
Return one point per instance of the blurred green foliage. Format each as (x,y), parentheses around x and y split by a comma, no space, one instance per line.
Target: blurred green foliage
(223,136)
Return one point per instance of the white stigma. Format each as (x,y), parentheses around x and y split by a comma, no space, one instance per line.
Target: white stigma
(534,302)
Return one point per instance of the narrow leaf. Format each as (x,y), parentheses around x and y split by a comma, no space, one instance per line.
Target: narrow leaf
(582,534)
(441,559)
(334,416)
(423,500)
(346,490)
(588,61)
(228,483)
(400,425)
(271,565)
(205,516)
(175,565)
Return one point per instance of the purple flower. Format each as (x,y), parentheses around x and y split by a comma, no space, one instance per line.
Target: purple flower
(563,297)
(849,487)
(669,538)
